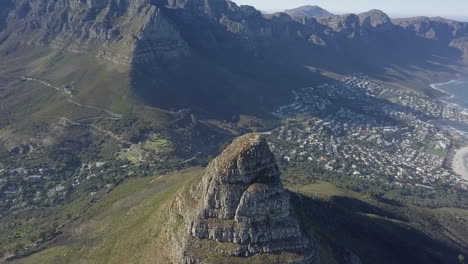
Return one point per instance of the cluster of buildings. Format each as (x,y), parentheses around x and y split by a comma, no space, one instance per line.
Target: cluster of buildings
(23,187)
(20,186)
(418,105)
(364,130)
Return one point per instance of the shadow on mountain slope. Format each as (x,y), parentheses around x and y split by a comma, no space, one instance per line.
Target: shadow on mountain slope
(223,76)
(239,62)
(375,234)
(225,80)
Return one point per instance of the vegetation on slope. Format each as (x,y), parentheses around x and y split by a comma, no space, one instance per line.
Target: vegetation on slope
(119,227)
(128,224)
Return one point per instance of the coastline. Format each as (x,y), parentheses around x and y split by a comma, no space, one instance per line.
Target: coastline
(459,164)
(436,86)
(459,161)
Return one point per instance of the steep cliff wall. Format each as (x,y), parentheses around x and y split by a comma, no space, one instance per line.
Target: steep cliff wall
(112,29)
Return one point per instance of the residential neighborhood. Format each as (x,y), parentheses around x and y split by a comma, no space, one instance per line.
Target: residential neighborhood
(384,135)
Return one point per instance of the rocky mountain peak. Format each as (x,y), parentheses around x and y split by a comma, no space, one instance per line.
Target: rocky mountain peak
(245,203)
(308,11)
(376,19)
(434,28)
(240,160)
(362,25)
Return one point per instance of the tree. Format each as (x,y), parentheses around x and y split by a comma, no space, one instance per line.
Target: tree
(68,190)
(461,258)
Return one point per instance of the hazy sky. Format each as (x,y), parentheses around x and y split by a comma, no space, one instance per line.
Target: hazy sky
(454,8)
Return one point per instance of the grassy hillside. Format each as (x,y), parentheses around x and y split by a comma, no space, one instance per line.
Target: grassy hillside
(128,225)
(122,227)
(55,88)
(92,81)
(51,96)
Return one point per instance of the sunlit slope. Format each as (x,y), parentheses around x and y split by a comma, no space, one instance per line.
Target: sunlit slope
(133,224)
(126,226)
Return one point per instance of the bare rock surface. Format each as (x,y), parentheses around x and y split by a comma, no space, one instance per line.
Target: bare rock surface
(244,204)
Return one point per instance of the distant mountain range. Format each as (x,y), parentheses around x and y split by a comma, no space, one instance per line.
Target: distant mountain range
(308,11)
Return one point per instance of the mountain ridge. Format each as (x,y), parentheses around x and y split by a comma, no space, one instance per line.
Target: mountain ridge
(186,35)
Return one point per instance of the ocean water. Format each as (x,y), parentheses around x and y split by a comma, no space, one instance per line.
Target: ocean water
(459,91)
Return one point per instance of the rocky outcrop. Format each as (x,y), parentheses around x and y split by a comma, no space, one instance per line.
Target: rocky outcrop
(345,25)
(376,20)
(354,26)
(434,28)
(442,31)
(244,204)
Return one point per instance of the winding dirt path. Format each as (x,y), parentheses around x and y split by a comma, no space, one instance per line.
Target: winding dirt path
(65,91)
(99,129)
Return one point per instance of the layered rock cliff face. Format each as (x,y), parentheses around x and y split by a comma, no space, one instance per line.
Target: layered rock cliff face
(118,30)
(129,31)
(434,28)
(443,32)
(243,204)
(354,26)
(143,30)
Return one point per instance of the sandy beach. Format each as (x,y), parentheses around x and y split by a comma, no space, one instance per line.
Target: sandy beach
(459,162)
